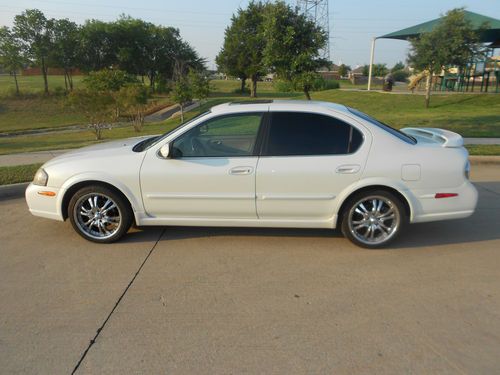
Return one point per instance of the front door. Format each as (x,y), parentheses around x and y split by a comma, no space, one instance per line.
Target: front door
(211,173)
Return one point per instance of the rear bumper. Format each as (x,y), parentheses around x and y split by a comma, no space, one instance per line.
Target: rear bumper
(42,205)
(428,208)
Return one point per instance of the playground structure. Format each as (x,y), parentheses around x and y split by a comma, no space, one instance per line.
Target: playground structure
(482,75)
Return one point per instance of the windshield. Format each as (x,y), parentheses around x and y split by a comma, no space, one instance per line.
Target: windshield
(404,137)
(147,143)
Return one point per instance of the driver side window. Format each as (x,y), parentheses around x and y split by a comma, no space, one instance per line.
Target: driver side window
(225,136)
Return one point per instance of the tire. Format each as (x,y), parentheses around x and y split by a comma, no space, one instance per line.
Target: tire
(373,219)
(99,214)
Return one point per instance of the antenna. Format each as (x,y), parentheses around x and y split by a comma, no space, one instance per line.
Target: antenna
(317,10)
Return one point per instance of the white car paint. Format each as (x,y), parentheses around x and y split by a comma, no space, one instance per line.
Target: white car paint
(285,191)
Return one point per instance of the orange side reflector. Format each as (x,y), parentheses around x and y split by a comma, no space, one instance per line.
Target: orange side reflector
(47,193)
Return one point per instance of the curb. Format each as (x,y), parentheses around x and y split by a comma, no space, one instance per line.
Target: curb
(13,191)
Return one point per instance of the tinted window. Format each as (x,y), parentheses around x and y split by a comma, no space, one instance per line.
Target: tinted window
(294,133)
(386,127)
(225,136)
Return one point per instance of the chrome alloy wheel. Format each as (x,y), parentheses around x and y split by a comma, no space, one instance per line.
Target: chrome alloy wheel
(97,216)
(374,220)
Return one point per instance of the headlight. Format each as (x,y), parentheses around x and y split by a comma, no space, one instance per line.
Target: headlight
(41,177)
(467,170)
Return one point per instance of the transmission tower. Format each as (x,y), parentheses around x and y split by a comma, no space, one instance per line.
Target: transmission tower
(317,10)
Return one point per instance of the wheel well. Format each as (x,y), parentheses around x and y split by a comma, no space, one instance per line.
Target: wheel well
(372,188)
(73,189)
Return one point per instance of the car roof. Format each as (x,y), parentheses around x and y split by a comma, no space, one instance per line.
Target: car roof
(269,105)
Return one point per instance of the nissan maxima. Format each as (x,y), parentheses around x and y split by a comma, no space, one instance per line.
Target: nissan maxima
(295,164)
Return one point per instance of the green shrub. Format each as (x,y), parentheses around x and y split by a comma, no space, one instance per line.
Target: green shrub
(400,75)
(321,84)
(283,86)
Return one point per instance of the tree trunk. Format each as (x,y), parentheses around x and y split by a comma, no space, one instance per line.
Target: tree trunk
(428,86)
(253,88)
(243,82)
(44,73)
(151,82)
(306,92)
(70,79)
(66,79)
(17,85)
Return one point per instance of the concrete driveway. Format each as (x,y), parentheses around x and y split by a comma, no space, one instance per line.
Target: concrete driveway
(251,301)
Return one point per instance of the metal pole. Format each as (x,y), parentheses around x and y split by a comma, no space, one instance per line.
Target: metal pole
(371,64)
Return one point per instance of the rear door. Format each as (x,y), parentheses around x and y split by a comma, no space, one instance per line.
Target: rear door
(307,160)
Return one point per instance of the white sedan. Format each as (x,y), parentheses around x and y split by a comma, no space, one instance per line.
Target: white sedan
(263,164)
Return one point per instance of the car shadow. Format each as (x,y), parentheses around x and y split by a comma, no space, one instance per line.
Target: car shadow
(481,226)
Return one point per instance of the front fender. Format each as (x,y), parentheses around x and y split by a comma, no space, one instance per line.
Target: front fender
(132,196)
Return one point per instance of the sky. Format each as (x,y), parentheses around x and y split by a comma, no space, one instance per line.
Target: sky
(353,24)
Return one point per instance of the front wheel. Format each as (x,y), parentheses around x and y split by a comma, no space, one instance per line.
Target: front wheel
(373,219)
(99,214)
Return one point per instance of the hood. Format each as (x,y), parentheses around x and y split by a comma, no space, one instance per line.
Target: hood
(99,150)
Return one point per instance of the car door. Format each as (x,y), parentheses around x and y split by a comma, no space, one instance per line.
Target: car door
(307,160)
(210,174)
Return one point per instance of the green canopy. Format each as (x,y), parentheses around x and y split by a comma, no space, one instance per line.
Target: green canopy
(492,33)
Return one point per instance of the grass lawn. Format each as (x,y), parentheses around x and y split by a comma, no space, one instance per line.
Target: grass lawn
(471,115)
(33,84)
(18,173)
(32,110)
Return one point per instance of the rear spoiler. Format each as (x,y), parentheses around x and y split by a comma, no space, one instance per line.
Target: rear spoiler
(444,137)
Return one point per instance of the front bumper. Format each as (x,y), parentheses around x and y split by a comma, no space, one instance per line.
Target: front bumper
(43,205)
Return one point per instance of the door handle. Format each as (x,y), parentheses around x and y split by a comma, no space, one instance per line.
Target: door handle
(241,170)
(348,169)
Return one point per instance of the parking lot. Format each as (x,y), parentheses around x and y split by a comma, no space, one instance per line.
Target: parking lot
(257,301)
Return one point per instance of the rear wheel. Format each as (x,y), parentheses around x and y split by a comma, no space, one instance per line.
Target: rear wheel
(373,219)
(99,214)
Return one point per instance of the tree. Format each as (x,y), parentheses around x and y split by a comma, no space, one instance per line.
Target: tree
(36,32)
(132,101)
(182,94)
(11,57)
(293,45)
(380,70)
(108,80)
(344,70)
(97,50)
(244,43)
(398,66)
(97,106)
(200,85)
(453,42)
(65,48)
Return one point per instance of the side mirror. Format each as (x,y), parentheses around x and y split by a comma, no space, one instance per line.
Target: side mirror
(165,151)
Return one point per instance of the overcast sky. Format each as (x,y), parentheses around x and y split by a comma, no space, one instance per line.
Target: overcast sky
(201,22)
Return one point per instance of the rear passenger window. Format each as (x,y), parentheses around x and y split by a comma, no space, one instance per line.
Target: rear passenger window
(295,133)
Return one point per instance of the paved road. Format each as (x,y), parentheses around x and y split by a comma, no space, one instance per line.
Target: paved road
(254,301)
